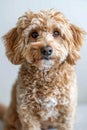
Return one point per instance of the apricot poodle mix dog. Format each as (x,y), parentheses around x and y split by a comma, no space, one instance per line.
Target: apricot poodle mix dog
(47,46)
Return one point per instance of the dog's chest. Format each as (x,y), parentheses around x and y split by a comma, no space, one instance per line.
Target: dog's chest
(48,108)
(43,99)
(44,103)
(42,94)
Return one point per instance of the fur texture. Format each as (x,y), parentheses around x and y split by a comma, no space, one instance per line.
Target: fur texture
(2,111)
(45,92)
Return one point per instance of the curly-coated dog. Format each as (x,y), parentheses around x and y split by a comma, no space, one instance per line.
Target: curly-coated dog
(47,46)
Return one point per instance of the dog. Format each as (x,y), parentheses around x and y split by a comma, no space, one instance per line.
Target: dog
(44,95)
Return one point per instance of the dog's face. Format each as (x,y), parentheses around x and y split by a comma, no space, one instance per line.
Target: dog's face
(44,39)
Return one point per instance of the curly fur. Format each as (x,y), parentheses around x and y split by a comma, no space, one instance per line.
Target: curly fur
(45,92)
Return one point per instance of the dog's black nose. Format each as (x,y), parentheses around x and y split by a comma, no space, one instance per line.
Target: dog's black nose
(46,50)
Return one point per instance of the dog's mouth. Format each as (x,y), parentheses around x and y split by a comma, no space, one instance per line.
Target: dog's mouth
(46,58)
(43,62)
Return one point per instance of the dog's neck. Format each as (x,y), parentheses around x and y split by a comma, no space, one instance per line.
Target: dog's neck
(55,68)
(29,69)
(34,69)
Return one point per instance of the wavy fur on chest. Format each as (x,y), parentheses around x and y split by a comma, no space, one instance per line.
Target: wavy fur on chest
(42,91)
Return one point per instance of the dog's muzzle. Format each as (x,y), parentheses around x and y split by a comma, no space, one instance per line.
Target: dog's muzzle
(46,52)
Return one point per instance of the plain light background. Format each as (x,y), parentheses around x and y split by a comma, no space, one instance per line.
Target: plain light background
(10,10)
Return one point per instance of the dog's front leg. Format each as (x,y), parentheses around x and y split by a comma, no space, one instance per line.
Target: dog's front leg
(29,122)
(66,118)
(28,119)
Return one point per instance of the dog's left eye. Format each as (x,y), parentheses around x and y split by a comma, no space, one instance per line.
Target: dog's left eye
(55,33)
(34,34)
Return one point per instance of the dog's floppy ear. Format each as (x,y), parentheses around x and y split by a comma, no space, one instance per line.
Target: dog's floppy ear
(77,41)
(13,47)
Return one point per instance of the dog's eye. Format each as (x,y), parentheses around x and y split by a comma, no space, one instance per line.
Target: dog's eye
(55,33)
(34,34)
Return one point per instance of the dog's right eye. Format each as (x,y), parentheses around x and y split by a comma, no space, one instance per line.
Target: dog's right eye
(55,33)
(34,34)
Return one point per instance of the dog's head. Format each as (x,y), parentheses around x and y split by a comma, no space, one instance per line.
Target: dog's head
(44,39)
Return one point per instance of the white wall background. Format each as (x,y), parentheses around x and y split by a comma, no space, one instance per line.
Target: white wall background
(10,10)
